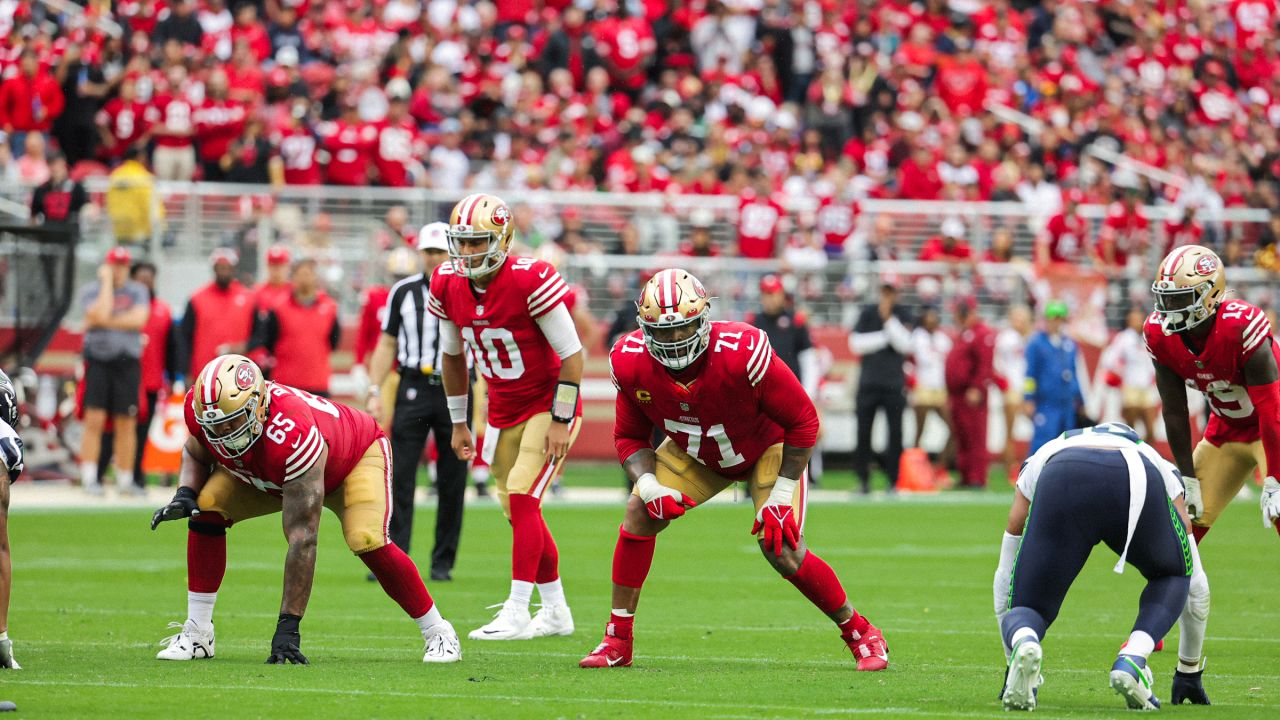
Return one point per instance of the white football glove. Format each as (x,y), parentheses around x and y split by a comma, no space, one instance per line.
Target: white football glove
(661,502)
(1191,496)
(1270,501)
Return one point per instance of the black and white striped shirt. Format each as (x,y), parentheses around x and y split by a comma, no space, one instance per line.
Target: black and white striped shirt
(416,331)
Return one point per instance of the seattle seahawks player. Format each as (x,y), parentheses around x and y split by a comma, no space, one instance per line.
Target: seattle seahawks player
(1098,484)
(11,459)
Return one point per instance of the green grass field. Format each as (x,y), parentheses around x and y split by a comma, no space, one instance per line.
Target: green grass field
(718,634)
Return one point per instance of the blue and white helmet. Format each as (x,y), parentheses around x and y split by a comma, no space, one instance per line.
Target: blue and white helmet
(8,401)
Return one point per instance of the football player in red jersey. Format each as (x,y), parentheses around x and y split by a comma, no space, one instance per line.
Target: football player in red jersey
(731,411)
(521,338)
(1224,349)
(258,448)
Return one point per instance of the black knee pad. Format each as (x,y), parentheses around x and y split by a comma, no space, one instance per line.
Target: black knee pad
(207,528)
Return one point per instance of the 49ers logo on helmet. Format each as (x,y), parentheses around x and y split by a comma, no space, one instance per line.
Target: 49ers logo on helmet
(697,287)
(1206,265)
(244,376)
(501,215)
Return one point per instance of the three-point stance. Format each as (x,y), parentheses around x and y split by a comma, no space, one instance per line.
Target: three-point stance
(1099,484)
(1223,348)
(10,468)
(521,338)
(258,448)
(731,411)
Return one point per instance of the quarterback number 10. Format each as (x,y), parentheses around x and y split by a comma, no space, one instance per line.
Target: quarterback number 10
(488,355)
(728,456)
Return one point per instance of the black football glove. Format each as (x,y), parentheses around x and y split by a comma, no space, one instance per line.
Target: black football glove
(11,456)
(184,504)
(286,643)
(1187,687)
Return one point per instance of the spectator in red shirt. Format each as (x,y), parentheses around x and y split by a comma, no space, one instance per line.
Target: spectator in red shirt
(299,146)
(246,80)
(1124,231)
(962,81)
(399,142)
(918,177)
(218,122)
(350,142)
(1182,228)
(949,245)
(302,331)
(29,101)
(760,218)
(251,31)
(122,122)
(1065,237)
(625,45)
(171,120)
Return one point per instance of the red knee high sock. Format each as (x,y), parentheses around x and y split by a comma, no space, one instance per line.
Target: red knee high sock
(399,578)
(632,558)
(527,537)
(1199,532)
(549,563)
(206,555)
(817,581)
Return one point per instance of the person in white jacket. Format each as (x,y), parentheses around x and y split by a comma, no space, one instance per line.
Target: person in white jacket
(929,348)
(1126,366)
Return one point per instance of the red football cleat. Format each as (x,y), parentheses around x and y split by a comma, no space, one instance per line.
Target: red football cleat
(611,652)
(870,650)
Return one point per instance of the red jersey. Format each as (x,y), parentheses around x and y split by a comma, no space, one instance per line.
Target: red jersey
(351,149)
(1239,330)
(398,145)
(502,335)
(172,117)
(626,45)
(1126,228)
(267,296)
(298,148)
(758,221)
(1066,235)
(835,221)
(217,123)
(732,405)
(301,425)
(372,314)
(1252,17)
(935,248)
(125,121)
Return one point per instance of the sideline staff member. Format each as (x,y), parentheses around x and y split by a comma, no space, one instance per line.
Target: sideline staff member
(410,336)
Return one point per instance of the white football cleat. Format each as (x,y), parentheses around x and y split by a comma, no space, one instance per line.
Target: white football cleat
(192,643)
(551,620)
(442,644)
(7,660)
(511,623)
(1023,677)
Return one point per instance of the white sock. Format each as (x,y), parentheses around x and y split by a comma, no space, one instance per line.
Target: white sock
(89,473)
(200,608)
(521,592)
(124,478)
(622,612)
(1139,644)
(1021,634)
(552,593)
(431,619)
(4,635)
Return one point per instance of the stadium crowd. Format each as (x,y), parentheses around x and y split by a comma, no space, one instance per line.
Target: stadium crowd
(824,100)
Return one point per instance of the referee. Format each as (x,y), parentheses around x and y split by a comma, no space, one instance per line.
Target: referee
(410,337)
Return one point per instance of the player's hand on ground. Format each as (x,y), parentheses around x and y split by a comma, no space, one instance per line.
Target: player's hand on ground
(286,643)
(557,445)
(463,444)
(660,501)
(1188,687)
(778,523)
(1270,501)
(184,504)
(1191,497)
(6,656)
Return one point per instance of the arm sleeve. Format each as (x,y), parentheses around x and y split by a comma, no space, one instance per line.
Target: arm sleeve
(631,429)
(557,327)
(186,338)
(784,401)
(898,336)
(450,338)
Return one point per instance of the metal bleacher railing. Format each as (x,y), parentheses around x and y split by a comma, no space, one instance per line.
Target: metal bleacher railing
(341,227)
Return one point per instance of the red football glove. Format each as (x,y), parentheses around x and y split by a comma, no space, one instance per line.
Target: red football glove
(779,525)
(660,501)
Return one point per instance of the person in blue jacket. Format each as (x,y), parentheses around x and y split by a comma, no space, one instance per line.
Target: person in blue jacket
(1052,393)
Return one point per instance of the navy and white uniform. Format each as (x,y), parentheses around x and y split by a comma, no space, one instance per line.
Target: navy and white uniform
(1097,485)
(10,452)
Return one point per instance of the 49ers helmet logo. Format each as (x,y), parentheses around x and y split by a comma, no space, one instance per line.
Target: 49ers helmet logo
(1206,265)
(244,376)
(501,215)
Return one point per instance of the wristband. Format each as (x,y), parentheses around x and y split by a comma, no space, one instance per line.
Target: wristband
(288,622)
(648,487)
(457,409)
(783,489)
(374,391)
(565,405)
